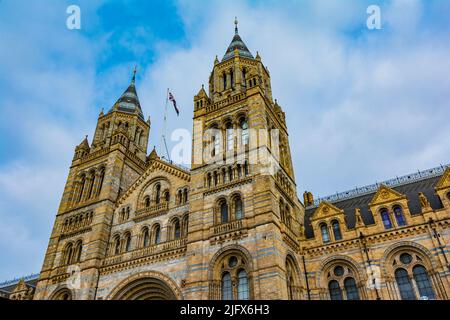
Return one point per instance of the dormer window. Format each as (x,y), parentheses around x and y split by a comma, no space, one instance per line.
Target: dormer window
(324,232)
(386,219)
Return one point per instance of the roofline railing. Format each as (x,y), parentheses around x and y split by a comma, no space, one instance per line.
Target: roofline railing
(398,181)
(26,278)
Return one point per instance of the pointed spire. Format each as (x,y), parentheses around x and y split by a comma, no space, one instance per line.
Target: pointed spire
(129,101)
(237,44)
(84,144)
(134,75)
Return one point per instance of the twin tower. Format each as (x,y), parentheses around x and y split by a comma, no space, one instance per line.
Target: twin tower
(134,226)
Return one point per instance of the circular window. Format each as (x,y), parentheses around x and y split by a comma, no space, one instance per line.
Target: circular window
(338,271)
(232,262)
(405,258)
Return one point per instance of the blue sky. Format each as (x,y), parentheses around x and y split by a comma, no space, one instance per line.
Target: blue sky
(362,106)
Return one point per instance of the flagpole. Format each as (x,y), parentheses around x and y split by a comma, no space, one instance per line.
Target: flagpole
(163,136)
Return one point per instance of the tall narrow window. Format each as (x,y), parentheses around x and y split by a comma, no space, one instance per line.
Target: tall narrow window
(227,288)
(147,201)
(157,235)
(244,73)
(325,234)
(158,194)
(216,139)
(83,184)
(243,291)
(224,212)
(336,231)
(350,289)
(224,80)
(238,209)
(78,251)
(244,133)
(335,290)
(128,243)
(404,285)
(69,252)
(386,219)
(399,216)
(117,246)
(146,238)
(423,282)
(177,229)
(246,169)
(232,78)
(230,137)
(100,182)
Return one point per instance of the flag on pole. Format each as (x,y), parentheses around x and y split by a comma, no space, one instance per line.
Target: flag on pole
(171,98)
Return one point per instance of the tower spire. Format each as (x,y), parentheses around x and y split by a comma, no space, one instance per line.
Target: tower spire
(236,31)
(134,74)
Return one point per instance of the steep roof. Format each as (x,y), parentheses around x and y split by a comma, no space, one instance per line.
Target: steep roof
(410,189)
(129,100)
(238,44)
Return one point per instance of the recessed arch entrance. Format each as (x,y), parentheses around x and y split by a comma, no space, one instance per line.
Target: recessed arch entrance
(146,286)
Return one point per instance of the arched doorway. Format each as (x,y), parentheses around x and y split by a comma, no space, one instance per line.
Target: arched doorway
(147,286)
(62,294)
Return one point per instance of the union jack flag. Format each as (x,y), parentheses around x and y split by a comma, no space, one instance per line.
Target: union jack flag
(172,98)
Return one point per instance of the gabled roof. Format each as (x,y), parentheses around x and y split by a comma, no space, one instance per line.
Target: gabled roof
(410,190)
(238,44)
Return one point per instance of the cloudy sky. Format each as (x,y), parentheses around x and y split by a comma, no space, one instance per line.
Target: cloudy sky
(362,105)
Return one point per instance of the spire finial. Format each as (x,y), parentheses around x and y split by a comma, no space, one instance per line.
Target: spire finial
(236,25)
(134,74)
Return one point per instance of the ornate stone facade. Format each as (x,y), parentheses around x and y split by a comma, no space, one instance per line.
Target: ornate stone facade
(132,226)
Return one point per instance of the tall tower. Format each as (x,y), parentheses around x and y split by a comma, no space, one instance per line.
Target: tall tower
(99,173)
(245,217)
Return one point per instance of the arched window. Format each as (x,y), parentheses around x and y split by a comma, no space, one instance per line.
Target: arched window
(448,196)
(185,225)
(281,209)
(224,80)
(69,253)
(100,181)
(230,136)
(166,196)
(146,237)
(117,245)
(335,290)
(399,216)
(239,213)
(232,78)
(246,169)
(423,282)
(176,229)
(158,194)
(216,139)
(230,174)
(336,230)
(78,250)
(325,234)
(244,133)
(209,179)
(404,284)
(157,232)
(147,201)
(242,290)
(185,195)
(180,197)
(83,184)
(386,219)
(224,212)
(351,291)
(128,243)
(227,288)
